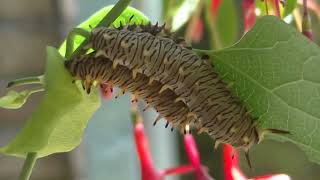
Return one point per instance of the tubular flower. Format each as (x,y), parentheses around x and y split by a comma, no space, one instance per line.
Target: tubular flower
(148,170)
(249,16)
(232,170)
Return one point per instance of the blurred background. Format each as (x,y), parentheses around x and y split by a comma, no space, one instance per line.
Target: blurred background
(107,150)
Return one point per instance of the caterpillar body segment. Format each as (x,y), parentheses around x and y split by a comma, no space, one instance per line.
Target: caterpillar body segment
(89,68)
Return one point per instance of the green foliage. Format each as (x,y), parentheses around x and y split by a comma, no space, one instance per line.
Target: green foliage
(276,74)
(227,23)
(179,13)
(289,7)
(58,122)
(15,100)
(170,8)
(92,21)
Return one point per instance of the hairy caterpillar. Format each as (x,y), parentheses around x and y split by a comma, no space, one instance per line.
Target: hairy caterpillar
(151,62)
(101,69)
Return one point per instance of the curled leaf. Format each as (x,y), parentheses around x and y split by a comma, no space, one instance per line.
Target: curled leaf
(14,99)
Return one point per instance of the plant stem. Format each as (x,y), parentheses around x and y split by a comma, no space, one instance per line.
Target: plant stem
(70,40)
(28,166)
(214,34)
(106,21)
(277,8)
(306,22)
(266,5)
(35,90)
(27,80)
(114,13)
(135,117)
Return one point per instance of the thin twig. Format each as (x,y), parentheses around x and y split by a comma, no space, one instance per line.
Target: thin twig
(106,21)
(27,80)
(276,8)
(306,22)
(70,39)
(215,38)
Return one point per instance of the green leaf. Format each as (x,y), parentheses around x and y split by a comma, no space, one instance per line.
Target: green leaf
(92,21)
(58,122)
(181,14)
(14,100)
(289,7)
(276,74)
(169,9)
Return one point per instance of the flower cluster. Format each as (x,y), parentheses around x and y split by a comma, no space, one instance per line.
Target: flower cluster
(231,167)
(148,170)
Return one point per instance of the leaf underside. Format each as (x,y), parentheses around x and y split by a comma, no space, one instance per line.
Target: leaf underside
(276,74)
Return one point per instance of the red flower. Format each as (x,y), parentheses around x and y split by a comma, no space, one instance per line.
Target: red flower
(148,170)
(194,158)
(232,170)
(215,6)
(249,16)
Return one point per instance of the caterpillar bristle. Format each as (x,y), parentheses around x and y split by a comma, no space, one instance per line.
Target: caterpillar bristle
(216,144)
(246,153)
(157,119)
(132,27)
(120,25)
(201,130)
(83,86)
(205,57)
(120,93)
(163,88)
(147,107)
(167,124)
(131,17)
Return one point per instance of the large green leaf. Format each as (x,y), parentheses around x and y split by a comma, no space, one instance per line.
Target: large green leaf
(58,122)
(276,74)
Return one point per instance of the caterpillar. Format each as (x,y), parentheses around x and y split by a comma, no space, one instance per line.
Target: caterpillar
(149,61)
(101,69)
